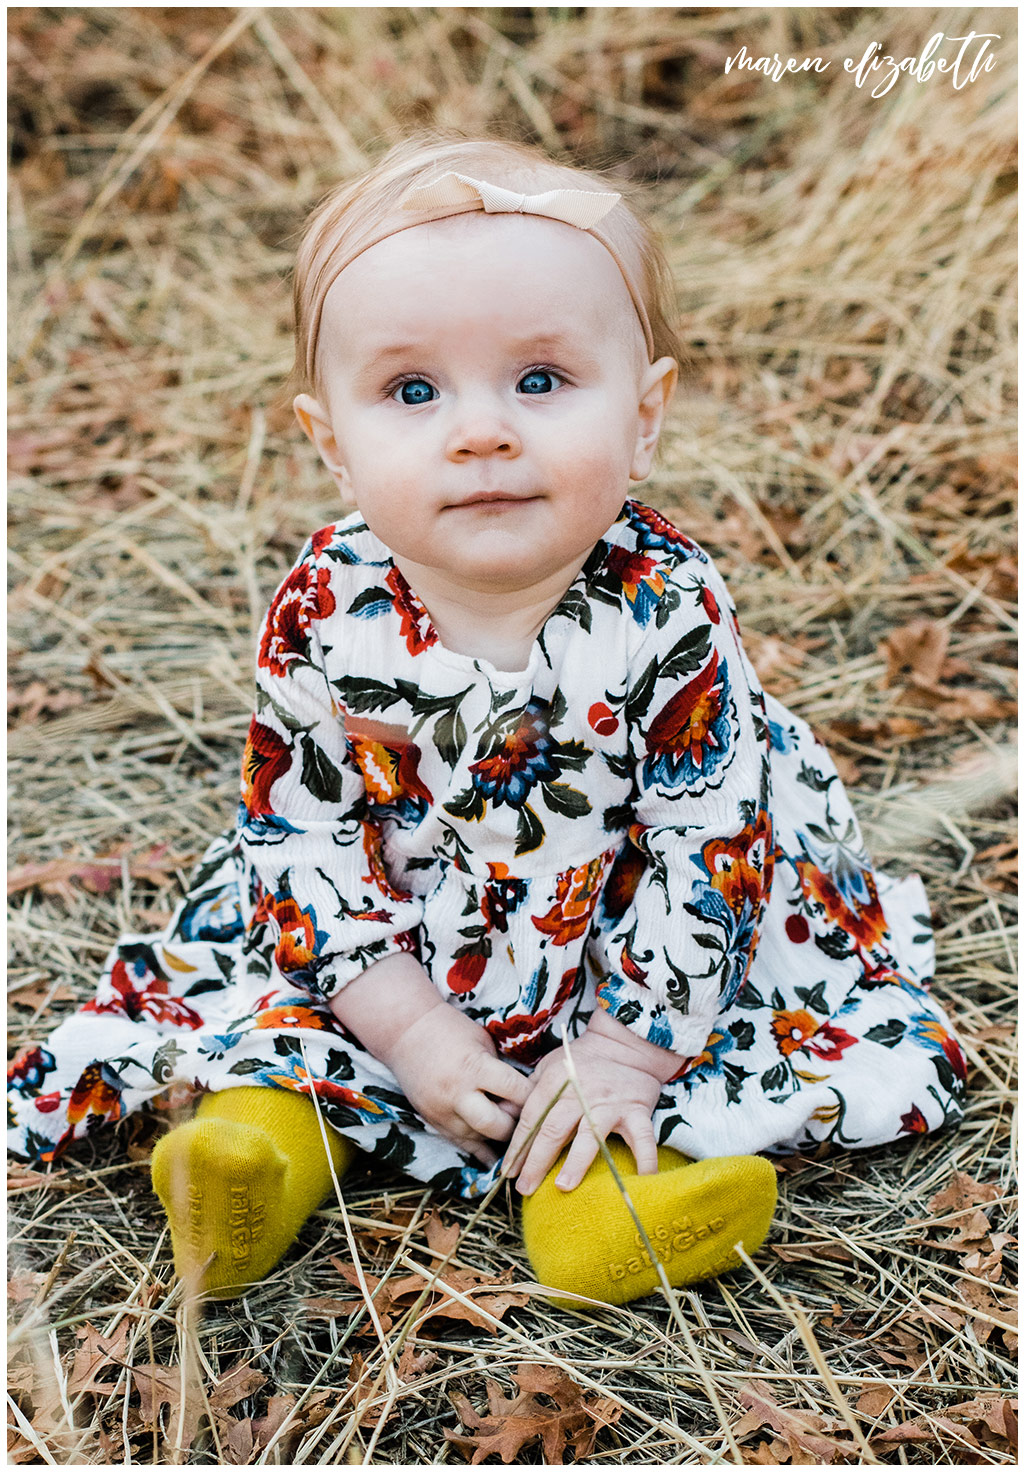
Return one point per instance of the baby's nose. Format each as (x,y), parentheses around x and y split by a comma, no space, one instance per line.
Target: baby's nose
(482,431)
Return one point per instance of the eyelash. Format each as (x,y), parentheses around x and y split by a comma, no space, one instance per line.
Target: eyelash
(395,389)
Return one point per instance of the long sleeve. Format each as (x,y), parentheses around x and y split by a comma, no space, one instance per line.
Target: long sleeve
(683,904)
(305,824)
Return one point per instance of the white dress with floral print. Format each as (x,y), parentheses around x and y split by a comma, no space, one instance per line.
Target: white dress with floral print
(629,822)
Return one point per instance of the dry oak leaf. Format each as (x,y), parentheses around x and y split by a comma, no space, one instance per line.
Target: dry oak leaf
(991,1414)
(929,1428)
(573,1421)
(97,1353)
(874,1399)
(801,1430)
(962,1191)
(917,650)
(99,875)
(399,1294)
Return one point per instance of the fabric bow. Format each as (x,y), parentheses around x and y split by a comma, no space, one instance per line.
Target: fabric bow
(580,207)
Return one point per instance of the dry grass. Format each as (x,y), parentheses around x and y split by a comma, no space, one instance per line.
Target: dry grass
(844,446)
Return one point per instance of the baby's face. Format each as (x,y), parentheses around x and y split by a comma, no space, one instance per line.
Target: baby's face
(486,398)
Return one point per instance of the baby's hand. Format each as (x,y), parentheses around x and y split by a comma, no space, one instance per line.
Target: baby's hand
(445,1064)
(620,1076)
(448,1069)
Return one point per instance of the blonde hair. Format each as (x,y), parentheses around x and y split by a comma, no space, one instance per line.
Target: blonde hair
(355,214)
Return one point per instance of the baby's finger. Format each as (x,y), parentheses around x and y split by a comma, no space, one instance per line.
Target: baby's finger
(503,1081)
(484,1117)
(547,1146)
(580,1158)
(638,1133)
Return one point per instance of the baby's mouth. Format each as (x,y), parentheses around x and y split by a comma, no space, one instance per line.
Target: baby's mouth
(493,498)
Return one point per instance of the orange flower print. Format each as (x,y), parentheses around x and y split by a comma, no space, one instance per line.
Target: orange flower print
(390,771)
(294,1016)
(373,852)
(859,914)
(798,1030)
(576,895)
(97,1092)
(299,941)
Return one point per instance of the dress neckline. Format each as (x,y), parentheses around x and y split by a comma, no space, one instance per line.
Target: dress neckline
(538,649)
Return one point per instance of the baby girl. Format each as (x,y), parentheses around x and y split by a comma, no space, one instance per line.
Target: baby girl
(527,860)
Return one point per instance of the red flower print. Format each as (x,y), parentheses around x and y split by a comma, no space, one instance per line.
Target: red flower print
(655,531)
(797,929)
(265,759)
(913,1122)
(47,1103)
(142,992)
(937,1039)
(466,970)
(603,719)
(710,604)
(686,723)
(830,1042)
(303,597)
(522,1037)
(322,539)
(417,630)
(576,895)
(624,880)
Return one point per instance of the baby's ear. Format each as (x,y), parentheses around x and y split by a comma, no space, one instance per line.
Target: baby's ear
(657,386)
(316,422)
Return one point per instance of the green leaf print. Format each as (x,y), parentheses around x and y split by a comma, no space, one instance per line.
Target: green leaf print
(361,694)
(319,774)
(687,656)
(561,798)
(529,830)
(164,1060)
(889,1034)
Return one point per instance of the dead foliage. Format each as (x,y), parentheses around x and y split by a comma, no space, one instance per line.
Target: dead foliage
(843,444)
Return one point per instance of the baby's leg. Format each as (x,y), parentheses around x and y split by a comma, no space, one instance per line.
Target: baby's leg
(239,1180)
(694,1212)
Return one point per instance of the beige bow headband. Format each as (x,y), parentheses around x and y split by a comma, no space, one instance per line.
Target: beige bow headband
(458,194)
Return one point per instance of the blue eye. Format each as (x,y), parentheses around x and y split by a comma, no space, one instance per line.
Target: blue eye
(538,381)
(416,391)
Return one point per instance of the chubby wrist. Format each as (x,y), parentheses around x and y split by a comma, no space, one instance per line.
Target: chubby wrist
(660,1063)
(385,1002)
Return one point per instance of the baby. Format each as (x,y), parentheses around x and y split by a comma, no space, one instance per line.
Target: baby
(526,858)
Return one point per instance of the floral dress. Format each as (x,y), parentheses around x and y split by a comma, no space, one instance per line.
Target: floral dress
(628,823)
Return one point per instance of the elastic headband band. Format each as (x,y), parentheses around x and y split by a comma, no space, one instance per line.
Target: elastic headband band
(457,194)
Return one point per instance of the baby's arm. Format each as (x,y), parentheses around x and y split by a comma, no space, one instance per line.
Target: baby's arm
(445,1063)
(620,1076)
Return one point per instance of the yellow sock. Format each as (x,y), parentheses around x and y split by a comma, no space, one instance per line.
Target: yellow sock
(693,1212)
(239,1180)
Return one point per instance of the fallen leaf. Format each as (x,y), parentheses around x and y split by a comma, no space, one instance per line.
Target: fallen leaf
(441,1239)
(874,1399)
(95,1354)
(924,1429)
(37,699)
(572,1421)
(963,1190)
(801,1429)
(98,875)
(990,1416)
(490,1298)
(974,1228)
(918,651)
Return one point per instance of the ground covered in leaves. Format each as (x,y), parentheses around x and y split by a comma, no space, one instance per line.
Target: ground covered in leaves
(844,445)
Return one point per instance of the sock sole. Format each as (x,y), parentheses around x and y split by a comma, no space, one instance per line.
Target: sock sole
(221,1184)
(585,1241)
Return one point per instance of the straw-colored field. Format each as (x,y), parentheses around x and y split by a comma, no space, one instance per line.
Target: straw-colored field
(844,446)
